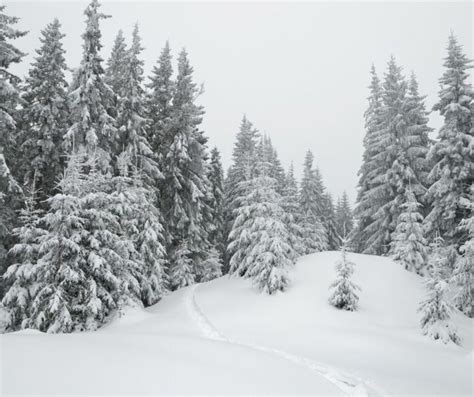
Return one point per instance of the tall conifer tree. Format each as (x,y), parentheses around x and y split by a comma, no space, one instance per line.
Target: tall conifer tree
(93,127)
(45,114)
(451,156)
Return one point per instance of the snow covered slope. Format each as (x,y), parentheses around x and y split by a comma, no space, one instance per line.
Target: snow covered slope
(224,337)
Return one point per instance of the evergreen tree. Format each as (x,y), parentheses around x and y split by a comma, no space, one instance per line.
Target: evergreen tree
(130,120)
(436,309)
(416,142)
(10,190)
(259,238)
(311,202)
(370,188)
(212,266)
(242,169)
(344,294)
(408,245)
(292,218)
(141,227)
(451,156)
(344,217)
(159,106)
(330,223)
(116,65)
(217,237)
(45,114)
(91,98)
(186,188)
(19,277)
(463,275)
(390,172)
(267,152)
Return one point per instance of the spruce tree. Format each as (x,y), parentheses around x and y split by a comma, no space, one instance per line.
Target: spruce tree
(408,244)
(436,309)
(159,106)
(463,275)
(19,277)
(330,223)
(91,98)
(217,237)
(45,114)
(260,240)
(292,218)
(391,166)
(10,190)
(370,187)
(212,266)
(242,169)
(451,155)
(141,229)
(344,295)
(311,202)
(131,120)
(186,188)
(116,64)
(344,217)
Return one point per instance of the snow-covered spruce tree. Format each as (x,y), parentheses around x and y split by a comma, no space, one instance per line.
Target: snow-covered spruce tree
(330,224)
(260,237)
(463,275)
(84,270)
(212,266)
(131,122)
(141,228)
(436,309)
(242,169)
(185,186)
(55,282)
(290,206)
(408,244)
(311,202)
(371,189)
(19,277)
(407,175)
(10,191)
(344,295)
(344,216)
(10,202)
(91,98)
(267,152)
(115,69)
(217,237)
(391,165)
(159,106)
(416,142)
(451,156)
(45,114)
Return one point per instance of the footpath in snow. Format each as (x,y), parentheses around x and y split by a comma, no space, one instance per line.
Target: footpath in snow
(223,337)
(349,384)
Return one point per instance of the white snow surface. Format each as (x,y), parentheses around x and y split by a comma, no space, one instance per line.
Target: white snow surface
(224,337)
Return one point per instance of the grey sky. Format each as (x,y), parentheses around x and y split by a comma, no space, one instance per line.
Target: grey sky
(298,70)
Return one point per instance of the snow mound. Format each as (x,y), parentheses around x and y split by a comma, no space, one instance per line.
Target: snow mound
(224,337)
(382,341)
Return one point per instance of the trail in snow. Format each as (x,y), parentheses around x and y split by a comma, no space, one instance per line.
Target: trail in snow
(349,384)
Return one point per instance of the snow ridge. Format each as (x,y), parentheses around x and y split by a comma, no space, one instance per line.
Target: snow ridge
(348,383)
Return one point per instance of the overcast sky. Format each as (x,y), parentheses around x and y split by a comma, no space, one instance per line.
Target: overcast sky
(298,70)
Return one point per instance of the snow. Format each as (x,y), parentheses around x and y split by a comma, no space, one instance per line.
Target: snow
(225,337)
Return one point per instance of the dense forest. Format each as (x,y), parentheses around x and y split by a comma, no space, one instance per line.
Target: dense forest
(111,196)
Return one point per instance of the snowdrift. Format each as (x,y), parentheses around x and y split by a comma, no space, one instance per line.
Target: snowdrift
(225,337)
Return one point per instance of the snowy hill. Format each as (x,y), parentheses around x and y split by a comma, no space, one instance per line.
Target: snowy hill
(224,337)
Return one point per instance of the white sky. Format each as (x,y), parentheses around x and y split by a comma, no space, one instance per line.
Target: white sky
(298,70)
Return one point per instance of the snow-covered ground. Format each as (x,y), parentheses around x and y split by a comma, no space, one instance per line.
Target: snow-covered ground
(224,337)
